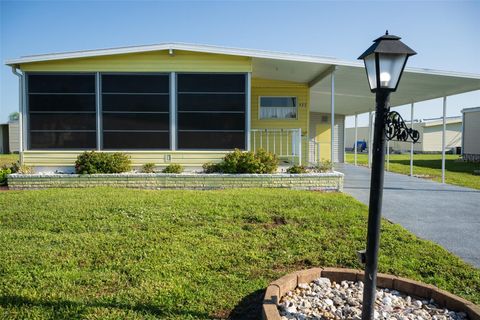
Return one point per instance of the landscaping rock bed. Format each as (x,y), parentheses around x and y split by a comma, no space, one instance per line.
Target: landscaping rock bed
(336,293)
(325,299)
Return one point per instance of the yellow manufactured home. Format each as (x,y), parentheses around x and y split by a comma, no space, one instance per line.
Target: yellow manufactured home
(191,104)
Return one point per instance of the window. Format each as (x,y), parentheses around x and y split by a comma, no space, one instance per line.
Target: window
(278,107)
(136,111)
(211,111)
(62,111)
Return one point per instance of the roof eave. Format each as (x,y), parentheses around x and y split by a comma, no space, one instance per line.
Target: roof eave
(259,54)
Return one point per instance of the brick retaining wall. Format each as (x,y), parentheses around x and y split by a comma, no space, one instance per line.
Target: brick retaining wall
(318,181)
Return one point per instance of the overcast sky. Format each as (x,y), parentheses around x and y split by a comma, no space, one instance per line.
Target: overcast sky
(444,33)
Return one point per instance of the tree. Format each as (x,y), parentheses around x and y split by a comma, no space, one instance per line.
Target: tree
(13,116)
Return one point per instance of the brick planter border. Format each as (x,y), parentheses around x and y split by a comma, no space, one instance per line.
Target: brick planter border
(277,289)
(332,181)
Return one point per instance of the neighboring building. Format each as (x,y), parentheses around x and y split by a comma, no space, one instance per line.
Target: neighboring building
(4,146)
(13,136)
(471,134)
(191,104)
(430,136)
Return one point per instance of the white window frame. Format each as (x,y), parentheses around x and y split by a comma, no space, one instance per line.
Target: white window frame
(277,119)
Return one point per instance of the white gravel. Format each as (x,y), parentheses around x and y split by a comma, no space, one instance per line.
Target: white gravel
(323,299)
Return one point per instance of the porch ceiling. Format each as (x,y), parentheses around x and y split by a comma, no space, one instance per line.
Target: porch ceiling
(352,94)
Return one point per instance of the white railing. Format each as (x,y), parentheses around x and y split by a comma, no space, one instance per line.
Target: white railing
(285,143)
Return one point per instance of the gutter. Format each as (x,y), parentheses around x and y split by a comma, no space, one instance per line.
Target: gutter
(20,115)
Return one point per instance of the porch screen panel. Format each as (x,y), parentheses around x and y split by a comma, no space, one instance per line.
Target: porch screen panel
(211,111)
(135,111)
(61,111)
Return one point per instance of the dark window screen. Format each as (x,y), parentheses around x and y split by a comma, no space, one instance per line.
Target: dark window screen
(136,140)
(211,111)
(62,140)
(61,83)
(136,111)
(135,83)
(62,111)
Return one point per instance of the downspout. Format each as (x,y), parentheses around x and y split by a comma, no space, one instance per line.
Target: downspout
(20,114)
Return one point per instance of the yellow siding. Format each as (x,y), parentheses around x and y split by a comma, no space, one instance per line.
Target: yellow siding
(67,158)
(267,87)
(156,61)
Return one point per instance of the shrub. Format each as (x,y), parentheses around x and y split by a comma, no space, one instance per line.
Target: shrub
(211,167)
(148,167)
(3,175)
(239,162)
(323,166)
(296,169)
(268,161)
(23,169)
(244,162)
(16,167)
(91,162)
(173,168)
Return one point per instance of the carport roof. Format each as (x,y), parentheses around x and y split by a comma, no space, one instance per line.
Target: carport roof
(352,94)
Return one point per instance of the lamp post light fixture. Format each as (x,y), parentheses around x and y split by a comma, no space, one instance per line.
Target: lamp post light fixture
(384,62)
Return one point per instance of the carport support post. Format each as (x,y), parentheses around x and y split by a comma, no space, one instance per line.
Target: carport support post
(411,144)
(369,146)
(355,139)
(375,205)
(443,137)
(388,155)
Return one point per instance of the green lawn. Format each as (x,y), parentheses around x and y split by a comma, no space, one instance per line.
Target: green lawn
(7,159)
(137,254)
(430,166)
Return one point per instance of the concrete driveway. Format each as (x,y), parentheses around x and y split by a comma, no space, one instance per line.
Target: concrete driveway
(446,214)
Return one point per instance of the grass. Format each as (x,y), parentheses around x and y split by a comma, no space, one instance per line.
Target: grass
(109,253)
(8,159)
(430,166)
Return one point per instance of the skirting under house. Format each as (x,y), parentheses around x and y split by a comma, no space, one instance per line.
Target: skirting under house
(201,181)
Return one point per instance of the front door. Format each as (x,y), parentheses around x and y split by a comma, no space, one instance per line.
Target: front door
(323,135)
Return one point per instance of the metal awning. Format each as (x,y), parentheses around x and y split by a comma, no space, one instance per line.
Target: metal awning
(352,94)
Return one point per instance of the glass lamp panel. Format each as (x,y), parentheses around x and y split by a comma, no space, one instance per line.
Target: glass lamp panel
(391,66)
(371,72)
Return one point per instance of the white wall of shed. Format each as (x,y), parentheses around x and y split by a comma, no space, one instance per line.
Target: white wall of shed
(13,136)
(338,134)
(471,133)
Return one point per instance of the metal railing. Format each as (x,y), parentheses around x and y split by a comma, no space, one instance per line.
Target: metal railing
(285,143)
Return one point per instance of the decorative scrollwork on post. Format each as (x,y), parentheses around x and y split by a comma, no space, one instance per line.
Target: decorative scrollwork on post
(395,128)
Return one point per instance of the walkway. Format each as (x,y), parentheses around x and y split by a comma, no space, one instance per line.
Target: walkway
(446,214)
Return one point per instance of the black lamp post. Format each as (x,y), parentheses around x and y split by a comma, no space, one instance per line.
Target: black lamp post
(384,63)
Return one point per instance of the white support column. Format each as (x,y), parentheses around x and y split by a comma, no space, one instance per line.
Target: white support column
(355,139)
(22,112)
(411,144)
(22,117)
(98,90)
(388,155)
(332,116)
(26,118)
(248,111)
(173,111)
(369,145)
(299,139)
(443,137)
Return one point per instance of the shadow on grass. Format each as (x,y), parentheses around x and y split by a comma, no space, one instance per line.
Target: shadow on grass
(249,308)
(65,309)
(450,165)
